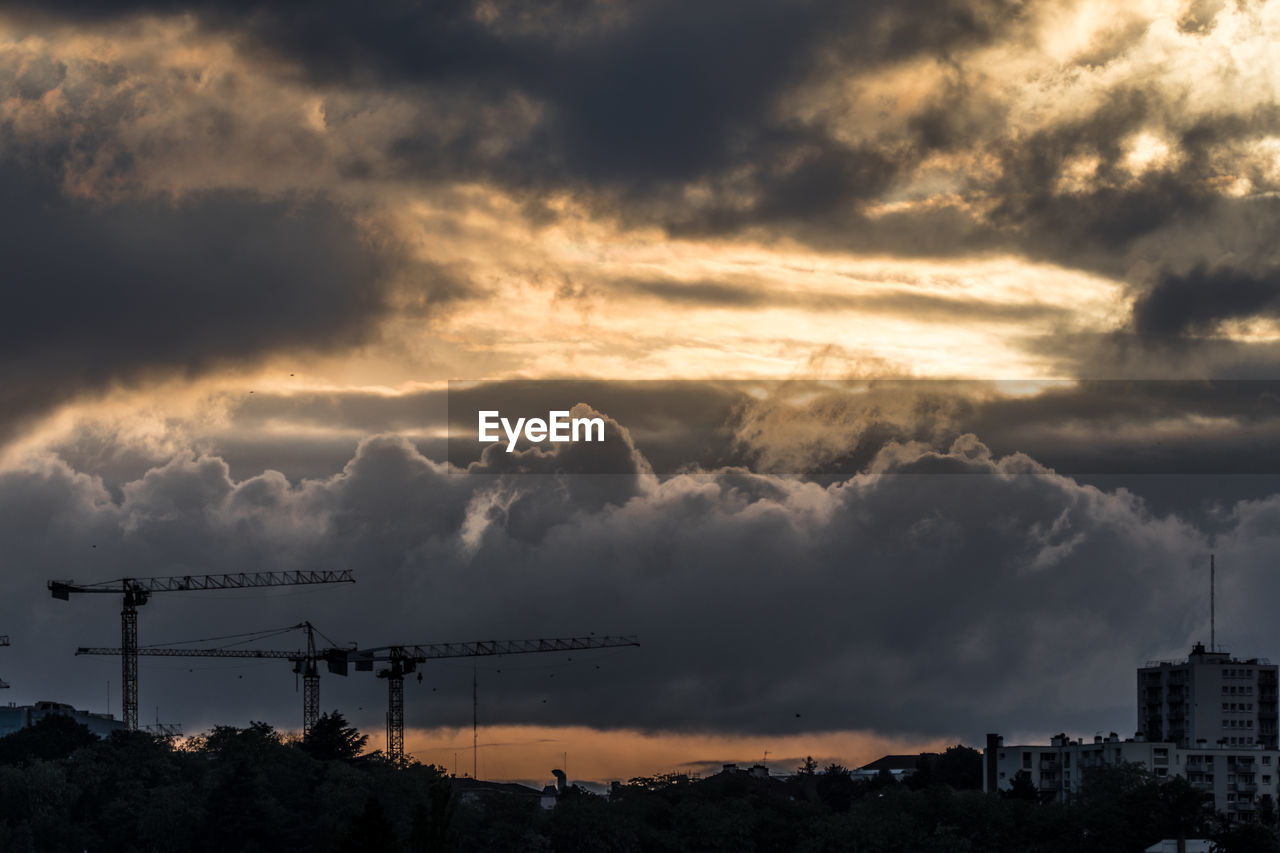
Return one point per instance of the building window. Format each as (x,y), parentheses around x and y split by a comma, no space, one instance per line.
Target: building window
(1026,761)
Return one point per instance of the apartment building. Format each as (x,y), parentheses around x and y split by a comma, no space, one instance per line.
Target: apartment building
(1210,719)
(1209,699)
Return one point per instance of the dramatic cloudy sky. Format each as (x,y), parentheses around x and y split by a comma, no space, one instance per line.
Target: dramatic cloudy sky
(937,342)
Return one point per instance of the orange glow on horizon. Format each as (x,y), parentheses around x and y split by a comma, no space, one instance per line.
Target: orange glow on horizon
(528,753)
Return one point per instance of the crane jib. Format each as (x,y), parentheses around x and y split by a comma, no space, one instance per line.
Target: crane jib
(182,583)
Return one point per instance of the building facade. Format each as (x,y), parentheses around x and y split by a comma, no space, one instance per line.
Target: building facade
(1238,778)
(1209,699)
(1210,719)
(15,717)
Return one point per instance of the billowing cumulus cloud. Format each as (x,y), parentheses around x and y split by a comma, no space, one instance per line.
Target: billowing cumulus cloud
(757,598)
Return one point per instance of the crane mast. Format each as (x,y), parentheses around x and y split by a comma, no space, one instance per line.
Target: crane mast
(403,660)
(305,663)
(137,591)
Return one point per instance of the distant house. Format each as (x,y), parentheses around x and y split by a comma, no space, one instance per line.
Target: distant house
(16,717)
(898,766)
(477,790)
(757,771)
(1190,845)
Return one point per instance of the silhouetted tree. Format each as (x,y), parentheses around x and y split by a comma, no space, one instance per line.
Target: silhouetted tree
(585,823)
(1183,811)
(960,767)
(432,828)
(835,788)
(253,740)
(53,736)
(1267,810)
(1247,838)
(1022,788)
(332,739)
(924,775)
(370,832)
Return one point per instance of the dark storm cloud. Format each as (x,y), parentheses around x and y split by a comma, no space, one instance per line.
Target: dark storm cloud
(1201,299)
(639,99)
(1106,216)
(100,293)
(756,597)
(659,113)
(1117,218)
(639,102)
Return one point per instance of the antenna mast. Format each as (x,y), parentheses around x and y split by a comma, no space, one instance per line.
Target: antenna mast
(475,717)
(1213,643)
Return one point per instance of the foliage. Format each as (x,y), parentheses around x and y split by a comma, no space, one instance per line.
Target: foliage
(960,767)
(53,736)
(331,739)
(252,790)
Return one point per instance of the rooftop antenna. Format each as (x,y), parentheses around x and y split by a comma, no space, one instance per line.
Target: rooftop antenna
(1213,644)
(475,717)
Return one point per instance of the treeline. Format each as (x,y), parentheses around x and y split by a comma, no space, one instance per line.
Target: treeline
(252,789)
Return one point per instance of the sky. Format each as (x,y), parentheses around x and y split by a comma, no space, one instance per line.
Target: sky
(937,343)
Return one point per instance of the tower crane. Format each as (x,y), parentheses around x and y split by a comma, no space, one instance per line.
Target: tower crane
(305,663)
(403,660)
(137,591)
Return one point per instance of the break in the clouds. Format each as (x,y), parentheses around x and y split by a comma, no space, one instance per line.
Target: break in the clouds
(581,172)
